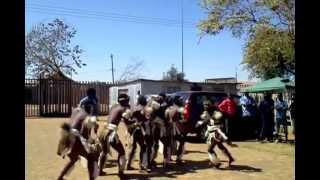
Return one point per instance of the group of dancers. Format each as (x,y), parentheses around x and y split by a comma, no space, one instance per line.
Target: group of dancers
(158,119)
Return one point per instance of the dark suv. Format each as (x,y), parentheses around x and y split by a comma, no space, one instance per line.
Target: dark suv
(193,107)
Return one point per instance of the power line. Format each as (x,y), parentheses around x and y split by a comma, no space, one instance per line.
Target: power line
(105,13)
(102,18)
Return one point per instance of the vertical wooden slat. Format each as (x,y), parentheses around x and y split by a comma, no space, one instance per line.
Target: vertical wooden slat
(49,96)
(45,92)
(70,97)
(31,83)
(37,96)
(65,96)
(60,96)
(27,88)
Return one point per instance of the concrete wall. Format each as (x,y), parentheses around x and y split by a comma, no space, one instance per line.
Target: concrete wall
(132,90)
(155,87)
(149,87)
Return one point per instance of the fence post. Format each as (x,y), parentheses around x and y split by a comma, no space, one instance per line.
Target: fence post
(41,95)
(70,97)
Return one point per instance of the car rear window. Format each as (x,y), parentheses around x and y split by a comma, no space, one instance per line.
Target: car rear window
(214,98)
(184,96)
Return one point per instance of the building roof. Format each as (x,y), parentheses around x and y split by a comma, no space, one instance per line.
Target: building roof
(166,81)
(226,78)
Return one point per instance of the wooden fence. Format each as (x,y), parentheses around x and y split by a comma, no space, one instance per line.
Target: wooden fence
(46,97)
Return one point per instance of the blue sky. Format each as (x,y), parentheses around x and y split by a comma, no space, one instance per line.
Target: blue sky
(159,46)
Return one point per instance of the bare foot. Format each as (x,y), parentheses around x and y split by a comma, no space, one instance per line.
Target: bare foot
(230,162)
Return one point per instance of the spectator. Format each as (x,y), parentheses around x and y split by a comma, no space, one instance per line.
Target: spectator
(249,113)
(292,110)
(229,109)
(266,108)
(281,117)
(90,102)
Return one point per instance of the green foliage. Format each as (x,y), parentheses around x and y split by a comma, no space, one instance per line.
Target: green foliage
(269,53)
(48,50)
(241,16)
(267,25)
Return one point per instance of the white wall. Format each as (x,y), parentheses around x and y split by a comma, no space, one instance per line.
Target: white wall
(154,87)
(113,96)
(150,87)
(132,92)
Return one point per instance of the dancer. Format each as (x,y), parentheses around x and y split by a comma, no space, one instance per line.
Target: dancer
(79,139)
(138,131)
(212,118)
(119,112)
(174,117)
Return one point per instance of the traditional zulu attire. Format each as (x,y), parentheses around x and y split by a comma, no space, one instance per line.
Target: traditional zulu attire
(174,116)
(116,115)
(78,139)
(148,136)
(159,125)
(214,135)
(138,129)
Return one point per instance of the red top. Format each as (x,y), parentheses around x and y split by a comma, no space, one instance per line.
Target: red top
(228,106)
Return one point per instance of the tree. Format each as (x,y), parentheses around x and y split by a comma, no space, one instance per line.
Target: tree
(173,75)
(247,18)
(269,53)
(132,71)
(48,50)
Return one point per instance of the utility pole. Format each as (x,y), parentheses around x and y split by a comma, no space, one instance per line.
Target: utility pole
(236,74)
(112,70)
(182,35)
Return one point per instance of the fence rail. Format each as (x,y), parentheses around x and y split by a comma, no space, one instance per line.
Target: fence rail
(47,97)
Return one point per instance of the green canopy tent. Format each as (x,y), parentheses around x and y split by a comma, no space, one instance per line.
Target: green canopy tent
(272,85)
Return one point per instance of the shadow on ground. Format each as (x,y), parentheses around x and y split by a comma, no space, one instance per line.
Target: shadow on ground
(187,168)
(190,152)
(242,168)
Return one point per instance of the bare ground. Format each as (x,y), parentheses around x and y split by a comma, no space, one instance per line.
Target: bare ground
(254,161)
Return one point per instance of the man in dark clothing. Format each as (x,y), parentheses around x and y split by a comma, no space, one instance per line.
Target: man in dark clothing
(292,110)
(281,107)
(249,113)
(90,102)
(266,109)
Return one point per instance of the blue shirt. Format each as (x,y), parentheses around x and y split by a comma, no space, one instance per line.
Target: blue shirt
(281,109)
(247,103)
